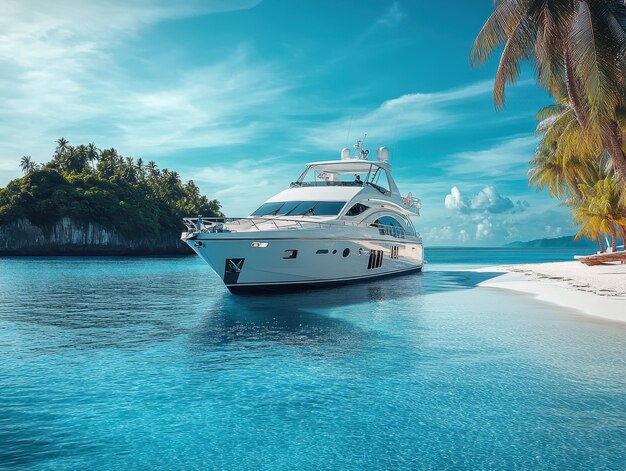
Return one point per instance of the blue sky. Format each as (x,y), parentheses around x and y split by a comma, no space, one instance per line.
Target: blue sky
(239,94)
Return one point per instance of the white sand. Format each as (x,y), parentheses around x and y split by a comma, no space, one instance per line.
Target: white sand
(596,291)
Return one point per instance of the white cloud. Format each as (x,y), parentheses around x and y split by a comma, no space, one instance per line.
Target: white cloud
(59,77)
(483,229)
(217,106)
(398,118)
(392,16)
(455,200)
(489,218)
(487,200)
(242,186)
(492,229)
(508,158)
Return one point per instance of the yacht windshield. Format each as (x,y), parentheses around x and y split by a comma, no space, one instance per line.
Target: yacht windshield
(358,173)
(300,208)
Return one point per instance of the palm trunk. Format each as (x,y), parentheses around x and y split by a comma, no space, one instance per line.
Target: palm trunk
(573,91)
(613,238)
(612,136)
(622,233)
(600,243)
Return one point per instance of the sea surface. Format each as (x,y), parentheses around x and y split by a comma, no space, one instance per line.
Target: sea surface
(150,363)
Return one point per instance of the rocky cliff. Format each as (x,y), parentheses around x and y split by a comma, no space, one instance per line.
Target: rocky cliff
(69,237)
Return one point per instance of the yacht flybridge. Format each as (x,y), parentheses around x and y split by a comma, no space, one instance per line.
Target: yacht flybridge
(342,221)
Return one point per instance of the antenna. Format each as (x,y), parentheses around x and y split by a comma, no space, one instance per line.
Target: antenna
(349,129)
(358,147)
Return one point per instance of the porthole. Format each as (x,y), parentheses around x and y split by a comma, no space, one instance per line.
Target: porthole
(361,251)
(198,244)
(257,245)
(334,251)
(346,252)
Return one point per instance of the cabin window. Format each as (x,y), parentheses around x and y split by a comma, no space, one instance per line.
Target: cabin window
(268,209)
(322,251)
(388,221)
(380,181)
(300,208)
(353,173)
(388,225)
(287,208)
(328,208)
(357,209)
(346,252)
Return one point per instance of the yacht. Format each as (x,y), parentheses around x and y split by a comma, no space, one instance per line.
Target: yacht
(341,221)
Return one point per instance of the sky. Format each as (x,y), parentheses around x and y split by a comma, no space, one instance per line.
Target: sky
(239,94)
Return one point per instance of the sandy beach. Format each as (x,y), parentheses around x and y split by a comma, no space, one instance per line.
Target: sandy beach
(598,291)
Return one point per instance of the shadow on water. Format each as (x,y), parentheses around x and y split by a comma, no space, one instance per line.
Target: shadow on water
(306,317)
(28,439)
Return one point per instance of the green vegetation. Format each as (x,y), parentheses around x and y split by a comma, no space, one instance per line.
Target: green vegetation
(578,48)
(103,187)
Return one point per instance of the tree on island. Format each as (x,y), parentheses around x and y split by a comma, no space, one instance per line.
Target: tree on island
(578,48)
(103,187)
(27,165)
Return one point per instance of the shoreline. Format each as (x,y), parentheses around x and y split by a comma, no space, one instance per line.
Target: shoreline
(598,291)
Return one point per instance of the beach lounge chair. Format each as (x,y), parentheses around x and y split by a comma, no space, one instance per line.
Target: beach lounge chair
(601,258)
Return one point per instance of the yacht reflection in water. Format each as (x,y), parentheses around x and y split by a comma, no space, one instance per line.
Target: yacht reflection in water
(307,317)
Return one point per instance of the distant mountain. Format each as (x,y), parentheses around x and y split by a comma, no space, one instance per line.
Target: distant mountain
(565,241)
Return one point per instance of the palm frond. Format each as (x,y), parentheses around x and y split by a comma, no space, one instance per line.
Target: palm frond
(550,111)
(594,55)
(498,28)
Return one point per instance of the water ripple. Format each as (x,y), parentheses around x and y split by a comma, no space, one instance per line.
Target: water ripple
(149,363)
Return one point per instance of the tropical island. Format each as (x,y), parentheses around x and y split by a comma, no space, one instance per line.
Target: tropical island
(87,201)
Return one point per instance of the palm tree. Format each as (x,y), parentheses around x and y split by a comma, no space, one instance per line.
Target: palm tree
(74,159)
(141,169)
(565,156)
(153,170)
(192,190)
(590,225)
(82,155)
(602,209)
(129,170)
(27,165)
(579,49)
(61,146)
(92,154)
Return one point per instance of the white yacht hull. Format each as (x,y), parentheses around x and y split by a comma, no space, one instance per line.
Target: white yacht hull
(280,260)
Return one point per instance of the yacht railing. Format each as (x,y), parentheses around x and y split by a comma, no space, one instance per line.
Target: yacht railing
(218,225)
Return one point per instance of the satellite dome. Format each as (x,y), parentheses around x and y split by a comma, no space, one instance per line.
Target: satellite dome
(383,154)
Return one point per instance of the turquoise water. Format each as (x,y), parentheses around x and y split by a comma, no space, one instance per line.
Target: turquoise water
(121,363)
